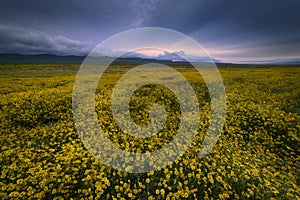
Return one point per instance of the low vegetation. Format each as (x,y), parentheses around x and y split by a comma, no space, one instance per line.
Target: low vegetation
(256,157)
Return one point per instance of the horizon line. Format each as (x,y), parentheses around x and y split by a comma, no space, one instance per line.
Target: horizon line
(218,61)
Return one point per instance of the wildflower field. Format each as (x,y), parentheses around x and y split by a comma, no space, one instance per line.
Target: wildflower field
(256,157)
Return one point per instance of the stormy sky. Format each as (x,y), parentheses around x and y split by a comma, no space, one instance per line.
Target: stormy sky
(230,31)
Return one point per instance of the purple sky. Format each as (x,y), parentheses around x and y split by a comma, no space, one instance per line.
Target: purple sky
(231,30)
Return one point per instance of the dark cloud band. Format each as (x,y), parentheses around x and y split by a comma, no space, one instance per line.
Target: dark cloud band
(18,40)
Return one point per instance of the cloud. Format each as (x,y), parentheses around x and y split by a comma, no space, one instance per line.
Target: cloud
(171,55)
(230,28)
(163,55)
(144,10)
(28,41)
(166,55)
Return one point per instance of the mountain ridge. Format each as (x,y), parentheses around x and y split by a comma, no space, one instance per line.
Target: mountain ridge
(15,58)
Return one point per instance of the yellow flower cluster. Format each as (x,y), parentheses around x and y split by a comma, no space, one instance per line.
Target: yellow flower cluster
(43,157)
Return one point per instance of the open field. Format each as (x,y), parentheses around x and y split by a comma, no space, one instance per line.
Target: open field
(256,156)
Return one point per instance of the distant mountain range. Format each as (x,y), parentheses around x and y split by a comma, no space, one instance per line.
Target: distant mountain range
(12,58)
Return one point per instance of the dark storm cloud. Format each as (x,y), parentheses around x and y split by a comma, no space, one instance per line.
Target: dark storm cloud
(20,40)
(81,20)
(228,29)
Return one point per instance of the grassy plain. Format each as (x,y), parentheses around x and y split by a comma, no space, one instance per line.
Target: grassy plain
(256,157)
